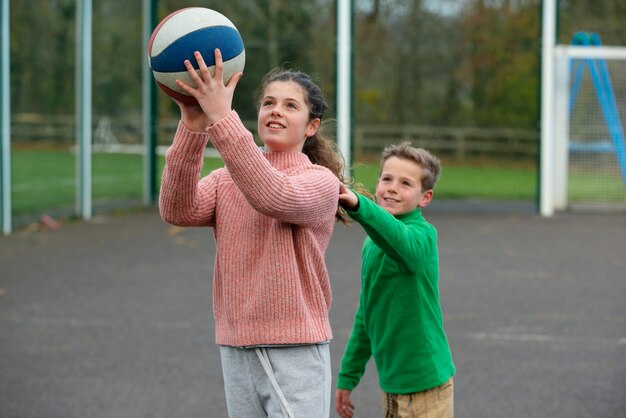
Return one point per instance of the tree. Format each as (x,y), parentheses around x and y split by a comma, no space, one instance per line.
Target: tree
(500,67)
(415,61)
(603,17)
(42,56)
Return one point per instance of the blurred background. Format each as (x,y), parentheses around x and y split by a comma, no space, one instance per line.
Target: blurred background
(111,318)
(458,77)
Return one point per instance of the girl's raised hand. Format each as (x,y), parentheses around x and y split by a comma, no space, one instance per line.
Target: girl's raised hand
(215,98)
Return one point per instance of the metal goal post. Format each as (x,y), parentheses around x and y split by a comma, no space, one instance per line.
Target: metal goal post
(586,134)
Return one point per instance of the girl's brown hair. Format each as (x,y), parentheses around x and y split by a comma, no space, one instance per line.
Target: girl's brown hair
(320,148)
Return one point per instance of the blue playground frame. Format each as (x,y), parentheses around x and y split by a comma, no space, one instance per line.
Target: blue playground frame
(606,98)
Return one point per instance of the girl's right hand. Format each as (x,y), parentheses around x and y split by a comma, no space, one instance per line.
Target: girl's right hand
(192,116)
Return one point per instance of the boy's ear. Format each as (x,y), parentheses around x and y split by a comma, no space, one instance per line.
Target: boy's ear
(426,198)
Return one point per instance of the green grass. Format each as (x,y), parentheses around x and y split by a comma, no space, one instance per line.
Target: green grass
(470,182)
(590,187)
(45,180)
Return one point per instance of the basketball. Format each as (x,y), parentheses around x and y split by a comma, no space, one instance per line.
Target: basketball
(185,31)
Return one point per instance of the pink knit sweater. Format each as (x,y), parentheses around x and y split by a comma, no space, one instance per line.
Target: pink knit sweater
(272,215)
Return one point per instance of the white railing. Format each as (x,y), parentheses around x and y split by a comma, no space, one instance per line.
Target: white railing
(369,140)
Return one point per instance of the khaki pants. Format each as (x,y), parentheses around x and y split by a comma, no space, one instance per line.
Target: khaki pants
(437,402)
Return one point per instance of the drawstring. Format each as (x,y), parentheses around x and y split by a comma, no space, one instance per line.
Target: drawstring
(265,362)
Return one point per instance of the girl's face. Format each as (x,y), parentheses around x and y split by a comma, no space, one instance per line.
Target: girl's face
(283,122)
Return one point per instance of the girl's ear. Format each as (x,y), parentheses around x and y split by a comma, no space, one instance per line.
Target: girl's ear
(314,125)
(426,198)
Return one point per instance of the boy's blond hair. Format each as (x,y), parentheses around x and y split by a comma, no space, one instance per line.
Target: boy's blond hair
(431,166)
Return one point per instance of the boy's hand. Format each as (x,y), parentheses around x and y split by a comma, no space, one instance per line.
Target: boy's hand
(343,405)
(347,198)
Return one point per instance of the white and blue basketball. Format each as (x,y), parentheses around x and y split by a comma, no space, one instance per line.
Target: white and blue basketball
(182,33)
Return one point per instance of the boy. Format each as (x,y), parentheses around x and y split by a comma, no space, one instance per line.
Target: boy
(399,320)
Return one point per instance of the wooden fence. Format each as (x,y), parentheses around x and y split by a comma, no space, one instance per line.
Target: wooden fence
(33,128)
(369,140)
(450,141)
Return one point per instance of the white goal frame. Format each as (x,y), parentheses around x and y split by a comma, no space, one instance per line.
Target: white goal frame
(556,121)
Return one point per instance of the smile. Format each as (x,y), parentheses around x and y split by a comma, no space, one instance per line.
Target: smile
(275,125)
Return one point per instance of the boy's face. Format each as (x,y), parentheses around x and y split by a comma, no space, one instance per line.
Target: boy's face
(399,187)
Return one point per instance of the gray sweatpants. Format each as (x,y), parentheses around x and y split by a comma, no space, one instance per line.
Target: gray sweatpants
(290,381)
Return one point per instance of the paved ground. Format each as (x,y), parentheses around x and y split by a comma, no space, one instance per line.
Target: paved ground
(112,319)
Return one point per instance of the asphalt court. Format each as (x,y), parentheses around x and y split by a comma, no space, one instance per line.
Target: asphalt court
(112,318)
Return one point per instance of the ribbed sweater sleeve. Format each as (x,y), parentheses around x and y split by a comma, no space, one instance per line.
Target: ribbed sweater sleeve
(305,198)
(184,200)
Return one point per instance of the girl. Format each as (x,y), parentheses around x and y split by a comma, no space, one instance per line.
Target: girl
(272,213)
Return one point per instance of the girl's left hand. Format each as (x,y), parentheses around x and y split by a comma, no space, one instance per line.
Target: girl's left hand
(212,95)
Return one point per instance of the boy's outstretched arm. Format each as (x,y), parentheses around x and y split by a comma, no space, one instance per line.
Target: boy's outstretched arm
(402,242)
(343,404)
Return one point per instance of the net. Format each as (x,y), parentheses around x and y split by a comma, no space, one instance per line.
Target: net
(595,166)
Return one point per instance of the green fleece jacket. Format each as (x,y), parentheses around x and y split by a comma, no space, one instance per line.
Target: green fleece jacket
(399,320)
